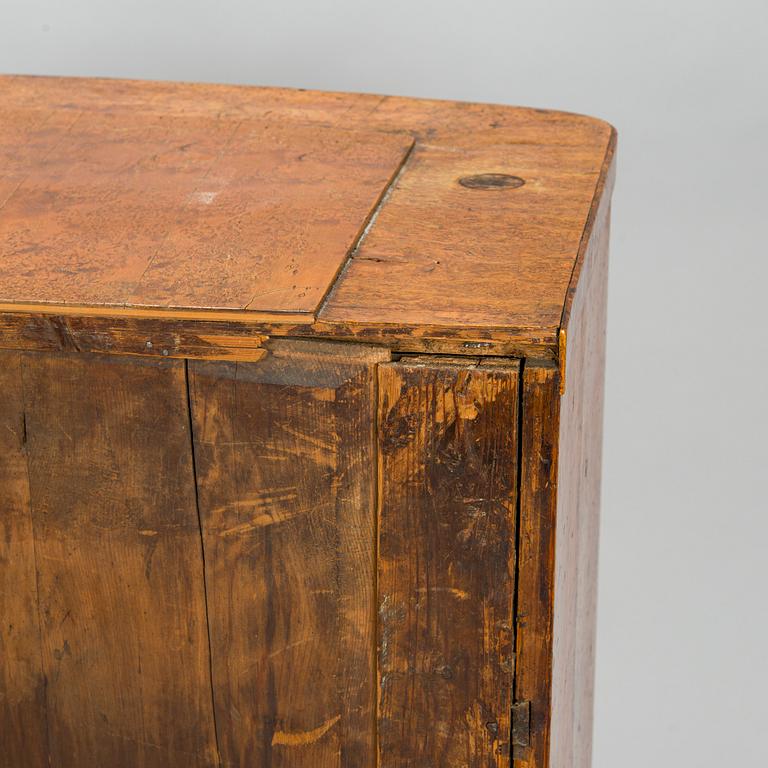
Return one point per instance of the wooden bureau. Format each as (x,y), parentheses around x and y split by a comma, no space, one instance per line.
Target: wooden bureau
(300,428)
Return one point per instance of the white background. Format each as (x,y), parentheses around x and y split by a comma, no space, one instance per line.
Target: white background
(683,625)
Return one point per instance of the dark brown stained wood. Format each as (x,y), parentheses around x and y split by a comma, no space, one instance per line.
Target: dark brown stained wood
(185,197)
(119,562)
(232,336)
(285,460)
(173,211)
(578,508)
(23,736)
(536,556)
(447,499)
(146,336)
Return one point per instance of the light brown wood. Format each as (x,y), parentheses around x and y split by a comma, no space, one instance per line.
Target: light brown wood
(448,475)
(172,211)
(286,474)
(119,564)
(442,253)
(442,266)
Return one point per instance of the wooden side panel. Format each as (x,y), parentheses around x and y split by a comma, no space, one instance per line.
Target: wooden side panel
(23,734)
(536,558)
(578,508)
(448,477)
(119,562)
(286,472)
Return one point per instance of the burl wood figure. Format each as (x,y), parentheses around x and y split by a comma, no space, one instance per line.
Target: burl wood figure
(300,428)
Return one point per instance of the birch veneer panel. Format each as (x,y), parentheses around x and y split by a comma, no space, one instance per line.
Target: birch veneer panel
(300,429)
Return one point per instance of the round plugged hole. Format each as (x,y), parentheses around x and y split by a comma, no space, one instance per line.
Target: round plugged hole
(491,181)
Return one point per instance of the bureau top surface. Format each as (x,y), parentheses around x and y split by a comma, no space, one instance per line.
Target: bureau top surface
(291,207)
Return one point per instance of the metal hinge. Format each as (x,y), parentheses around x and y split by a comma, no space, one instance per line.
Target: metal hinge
(521,724)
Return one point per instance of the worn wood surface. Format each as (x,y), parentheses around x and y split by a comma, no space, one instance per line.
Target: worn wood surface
(156,241)
(118,559)
(147,336)
(286,473)
(23,731)
(172,211)
(447,498)
(189,197)
(442,253)
(536,556)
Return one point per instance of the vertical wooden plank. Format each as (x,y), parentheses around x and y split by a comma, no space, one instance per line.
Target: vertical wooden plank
(578,507)
(536,557)
(23,734)
(448,478)
(285,456)
(559,514)
(119,559)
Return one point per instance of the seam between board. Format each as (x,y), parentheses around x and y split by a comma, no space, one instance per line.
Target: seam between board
(367,227)
(202,556)
(518,522)
(37,570)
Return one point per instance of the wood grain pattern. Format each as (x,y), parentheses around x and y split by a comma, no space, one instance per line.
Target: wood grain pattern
(236,336)
(441,253)
(442,267)
(120,577)
(146,336)
(536,556)
(23,732)
(285,460)
(173,211)
(200,290)
(448,474)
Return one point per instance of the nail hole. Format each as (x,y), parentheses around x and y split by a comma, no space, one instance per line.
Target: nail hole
(491,181)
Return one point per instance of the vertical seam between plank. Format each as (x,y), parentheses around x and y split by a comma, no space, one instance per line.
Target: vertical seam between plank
(518,524)
(368,225)
(377,497)
(202,555)
(37,570)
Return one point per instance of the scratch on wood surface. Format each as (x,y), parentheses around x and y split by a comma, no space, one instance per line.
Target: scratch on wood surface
(260,521)
(300,738)
(562,346)
(460,594)
(206,198)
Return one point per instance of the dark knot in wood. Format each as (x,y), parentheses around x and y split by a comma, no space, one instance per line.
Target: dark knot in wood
(491,181)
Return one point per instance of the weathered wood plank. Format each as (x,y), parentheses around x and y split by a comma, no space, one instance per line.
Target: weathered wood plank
(536,556)
(173,211)
(286,472)
(145,336)
(448,479)
(121,589)
(444,253)
(23,732)
(182,198)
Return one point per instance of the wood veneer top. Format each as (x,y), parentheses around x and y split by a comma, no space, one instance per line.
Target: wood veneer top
(349,215)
